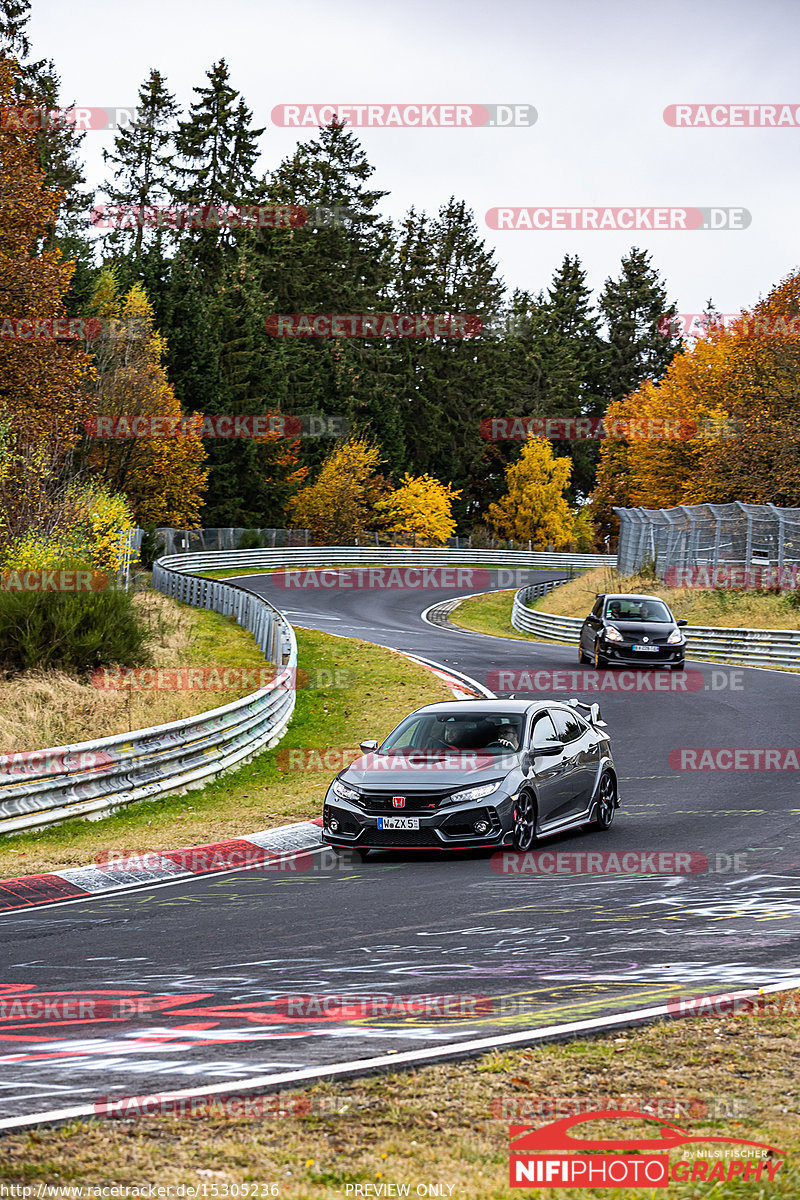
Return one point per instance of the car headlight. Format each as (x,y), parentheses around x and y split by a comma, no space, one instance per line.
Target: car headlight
(343,791)
(612,634)
(675,637)
(476,793)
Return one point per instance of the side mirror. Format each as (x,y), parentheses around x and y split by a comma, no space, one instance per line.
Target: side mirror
(368,747)
(525,762)
(548,751)
(681,624)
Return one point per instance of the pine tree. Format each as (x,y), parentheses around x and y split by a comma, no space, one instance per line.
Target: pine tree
(14,40)
(442,266)
(217,146)
(251,481)
(338,267)
(142,162)
(633,305)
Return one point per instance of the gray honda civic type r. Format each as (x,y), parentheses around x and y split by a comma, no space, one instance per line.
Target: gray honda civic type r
(476,774)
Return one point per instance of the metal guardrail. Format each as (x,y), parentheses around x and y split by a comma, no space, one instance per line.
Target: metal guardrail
(316,556)
(752,647)
(90,779)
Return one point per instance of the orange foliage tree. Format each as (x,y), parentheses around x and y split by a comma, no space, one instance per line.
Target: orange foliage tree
(43,403)
(733,399)
(163,478)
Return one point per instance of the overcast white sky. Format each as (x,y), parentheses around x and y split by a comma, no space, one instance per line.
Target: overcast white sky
(599,72)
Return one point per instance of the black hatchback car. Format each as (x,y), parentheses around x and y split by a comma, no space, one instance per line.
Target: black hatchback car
(626,628)
(476,774)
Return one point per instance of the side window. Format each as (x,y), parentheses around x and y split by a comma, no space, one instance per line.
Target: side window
(410,738)
(569,726)
(543,733)
(597,611)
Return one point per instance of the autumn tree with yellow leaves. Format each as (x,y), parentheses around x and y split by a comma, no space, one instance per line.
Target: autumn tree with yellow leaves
(420,509)
(338,506)
(163,478)
(534,507)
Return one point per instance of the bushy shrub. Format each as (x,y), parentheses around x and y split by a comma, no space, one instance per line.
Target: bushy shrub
(90,529)
(251,539)
(70,632)
(152,547)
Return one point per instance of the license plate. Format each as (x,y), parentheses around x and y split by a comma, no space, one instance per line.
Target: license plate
(647,649)
(398,822)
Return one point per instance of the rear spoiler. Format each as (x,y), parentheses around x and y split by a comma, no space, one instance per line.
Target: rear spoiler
(592,709)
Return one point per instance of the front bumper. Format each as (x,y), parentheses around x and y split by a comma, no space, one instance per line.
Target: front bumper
(625,653)
(448,828)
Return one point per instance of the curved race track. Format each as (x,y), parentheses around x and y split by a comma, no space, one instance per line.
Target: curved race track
(209,957)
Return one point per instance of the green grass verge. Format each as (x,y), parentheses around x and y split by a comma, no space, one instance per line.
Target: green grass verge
(380,688)
(448,1124)
(490,614)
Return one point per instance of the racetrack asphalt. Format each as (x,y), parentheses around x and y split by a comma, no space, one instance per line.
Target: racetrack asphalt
(208,980)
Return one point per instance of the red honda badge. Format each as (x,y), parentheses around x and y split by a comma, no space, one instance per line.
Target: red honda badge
(399,801)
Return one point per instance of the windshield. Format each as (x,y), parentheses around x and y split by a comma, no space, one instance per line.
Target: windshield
(496,733)
(637,610)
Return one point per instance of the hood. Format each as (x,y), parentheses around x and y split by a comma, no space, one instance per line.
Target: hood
(427,771)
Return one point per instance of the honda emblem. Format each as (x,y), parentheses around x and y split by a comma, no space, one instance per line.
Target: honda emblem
(399,801)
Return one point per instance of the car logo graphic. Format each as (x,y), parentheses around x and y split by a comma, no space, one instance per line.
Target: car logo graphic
(645,639)
(399,801)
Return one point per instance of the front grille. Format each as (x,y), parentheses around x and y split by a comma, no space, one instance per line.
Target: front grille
(401,837)
(374,801)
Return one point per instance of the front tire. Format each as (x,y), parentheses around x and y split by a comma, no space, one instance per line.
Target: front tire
(606,802)
(582,657)
(599,660)
(525,822)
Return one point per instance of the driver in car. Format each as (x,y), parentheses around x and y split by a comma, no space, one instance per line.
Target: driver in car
(505,736)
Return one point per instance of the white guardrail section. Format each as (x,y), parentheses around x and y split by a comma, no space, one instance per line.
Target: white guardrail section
(752,647)
(92,779)
(319,556)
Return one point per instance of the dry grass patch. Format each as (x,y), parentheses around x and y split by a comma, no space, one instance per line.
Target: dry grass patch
(53,708)
(448,1124)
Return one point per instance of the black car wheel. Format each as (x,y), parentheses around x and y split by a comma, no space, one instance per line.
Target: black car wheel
(525,822)
(599,660)
(582,658)
(606,802)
